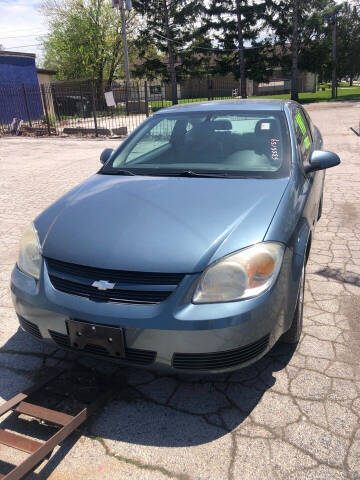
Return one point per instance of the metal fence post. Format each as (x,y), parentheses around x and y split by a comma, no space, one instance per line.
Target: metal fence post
(138,96)
(127,98)
(209,87)
(81,101)
(43,94)
(146,98)
(55,101)
(26,104)
(94,108)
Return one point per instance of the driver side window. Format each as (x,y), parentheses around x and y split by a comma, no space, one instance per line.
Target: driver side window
(303,135)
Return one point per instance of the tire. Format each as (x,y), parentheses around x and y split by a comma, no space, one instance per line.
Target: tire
(294,332)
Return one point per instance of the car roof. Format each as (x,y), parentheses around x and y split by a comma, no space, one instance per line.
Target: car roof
(231,104)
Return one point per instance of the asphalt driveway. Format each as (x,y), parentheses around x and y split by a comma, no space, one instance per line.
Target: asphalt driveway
(292,415)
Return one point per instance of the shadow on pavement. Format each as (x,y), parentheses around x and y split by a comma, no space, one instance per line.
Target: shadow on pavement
(146,408)
(340,276)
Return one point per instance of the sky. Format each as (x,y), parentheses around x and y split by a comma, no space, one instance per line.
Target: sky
(22,21)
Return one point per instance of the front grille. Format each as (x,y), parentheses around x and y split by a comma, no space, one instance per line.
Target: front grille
(219,360)
(132,355)
(77,280)
(114,276)
(112,296)
(30,327)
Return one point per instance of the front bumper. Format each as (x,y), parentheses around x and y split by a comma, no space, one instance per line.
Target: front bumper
(179,335)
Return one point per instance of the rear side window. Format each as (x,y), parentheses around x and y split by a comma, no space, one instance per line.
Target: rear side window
(303,134)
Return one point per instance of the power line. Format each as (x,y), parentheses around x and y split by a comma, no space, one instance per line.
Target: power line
(18,31)
(23,46)
(23,36)
(218,50)
(202,48)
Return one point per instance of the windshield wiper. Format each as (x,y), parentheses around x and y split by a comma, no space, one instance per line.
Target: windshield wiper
(118,172)
(191,173)
(184,173)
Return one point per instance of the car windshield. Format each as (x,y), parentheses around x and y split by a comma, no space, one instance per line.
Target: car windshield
(243,143)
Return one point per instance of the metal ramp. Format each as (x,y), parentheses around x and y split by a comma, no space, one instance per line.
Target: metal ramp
(24,404)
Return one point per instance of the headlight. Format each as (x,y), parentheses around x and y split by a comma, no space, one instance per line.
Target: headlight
(243,274)
(30,252)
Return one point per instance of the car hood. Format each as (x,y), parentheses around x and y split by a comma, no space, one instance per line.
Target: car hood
(158,224)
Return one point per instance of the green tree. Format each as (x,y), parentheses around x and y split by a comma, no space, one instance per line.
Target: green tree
(84,39)
(317,56)
(171,26)
(299,29)
(348,45)
(234,23)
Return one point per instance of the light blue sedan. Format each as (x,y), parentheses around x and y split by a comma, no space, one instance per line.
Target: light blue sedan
(187,250)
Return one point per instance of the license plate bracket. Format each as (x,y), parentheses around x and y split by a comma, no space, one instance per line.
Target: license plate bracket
(110,338)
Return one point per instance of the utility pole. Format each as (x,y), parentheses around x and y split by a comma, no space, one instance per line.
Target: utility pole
(119,4)
(295,51)
(333,54)
(332,18)
(241,51)
(174,95)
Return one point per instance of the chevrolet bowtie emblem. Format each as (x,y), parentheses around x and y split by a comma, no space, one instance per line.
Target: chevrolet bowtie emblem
(103,285)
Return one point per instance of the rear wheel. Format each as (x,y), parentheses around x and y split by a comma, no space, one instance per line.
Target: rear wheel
(294,332)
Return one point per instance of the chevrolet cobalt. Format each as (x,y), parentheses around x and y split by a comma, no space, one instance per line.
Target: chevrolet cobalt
(187,250)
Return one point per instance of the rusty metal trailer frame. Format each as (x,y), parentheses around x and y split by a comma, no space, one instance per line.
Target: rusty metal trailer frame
(39,450)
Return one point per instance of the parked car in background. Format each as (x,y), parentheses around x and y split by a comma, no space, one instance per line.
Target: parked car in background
(187,250)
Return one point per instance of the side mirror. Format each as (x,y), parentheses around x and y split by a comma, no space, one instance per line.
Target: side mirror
(105,155)
(321,159)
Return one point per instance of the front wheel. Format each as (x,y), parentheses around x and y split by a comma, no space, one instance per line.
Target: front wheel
(294,332)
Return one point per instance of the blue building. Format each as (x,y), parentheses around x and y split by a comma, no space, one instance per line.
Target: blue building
(19,87)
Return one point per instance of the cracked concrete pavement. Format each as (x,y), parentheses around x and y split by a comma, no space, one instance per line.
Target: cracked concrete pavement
(292,415)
